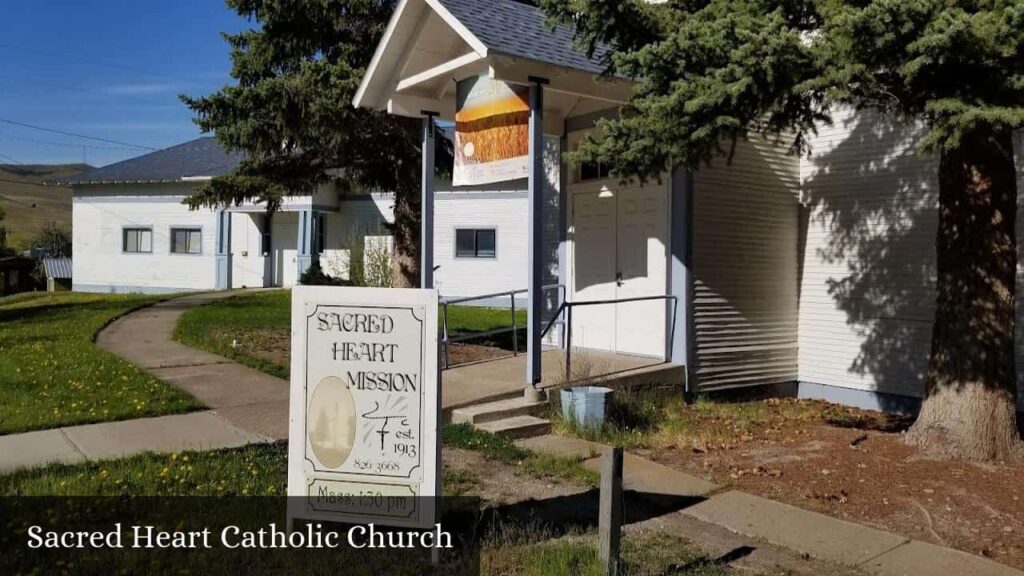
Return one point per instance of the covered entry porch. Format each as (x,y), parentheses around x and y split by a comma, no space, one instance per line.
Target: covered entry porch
(621,250)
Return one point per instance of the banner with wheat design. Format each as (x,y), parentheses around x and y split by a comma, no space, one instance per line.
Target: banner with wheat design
(491,132)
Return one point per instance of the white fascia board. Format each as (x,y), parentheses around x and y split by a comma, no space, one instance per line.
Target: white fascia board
(359,99)
(447,68)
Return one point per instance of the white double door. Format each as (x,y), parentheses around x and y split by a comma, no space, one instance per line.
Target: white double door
(619,247)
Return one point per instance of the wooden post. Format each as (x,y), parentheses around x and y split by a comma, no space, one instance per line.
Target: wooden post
(609,528)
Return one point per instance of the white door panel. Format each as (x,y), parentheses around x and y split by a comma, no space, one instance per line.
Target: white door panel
(594,269)
(619,251)
(642,219)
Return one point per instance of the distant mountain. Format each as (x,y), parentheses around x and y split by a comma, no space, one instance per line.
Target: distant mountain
(30,204)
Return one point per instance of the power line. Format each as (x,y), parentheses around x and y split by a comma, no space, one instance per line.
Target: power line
(9,158)
(82,90)
(63,133)
(64,144)
(93,62)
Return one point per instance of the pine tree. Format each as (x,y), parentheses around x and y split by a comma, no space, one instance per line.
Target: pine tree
(710,72)
(290,111)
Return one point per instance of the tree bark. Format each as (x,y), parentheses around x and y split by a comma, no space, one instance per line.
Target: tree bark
(970,403)
(406,230)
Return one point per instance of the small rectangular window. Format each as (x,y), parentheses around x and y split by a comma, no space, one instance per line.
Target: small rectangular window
(476,243)
(594,171)
(137,240)
(186,241)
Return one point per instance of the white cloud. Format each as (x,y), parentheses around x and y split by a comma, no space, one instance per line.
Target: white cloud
(138,89)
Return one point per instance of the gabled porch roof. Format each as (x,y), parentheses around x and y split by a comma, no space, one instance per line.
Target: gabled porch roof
(430,44)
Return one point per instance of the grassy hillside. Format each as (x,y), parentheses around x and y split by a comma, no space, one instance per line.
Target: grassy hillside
(31,206)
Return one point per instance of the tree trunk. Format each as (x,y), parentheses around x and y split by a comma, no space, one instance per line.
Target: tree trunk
(970,403)
(406,230)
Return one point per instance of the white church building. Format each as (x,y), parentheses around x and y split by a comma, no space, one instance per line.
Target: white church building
(769,269)
(133,233)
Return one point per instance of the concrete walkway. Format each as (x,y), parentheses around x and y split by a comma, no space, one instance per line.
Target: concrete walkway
(864,549)
(248,399)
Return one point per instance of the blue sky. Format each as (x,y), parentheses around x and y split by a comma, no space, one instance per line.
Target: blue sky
(106,68)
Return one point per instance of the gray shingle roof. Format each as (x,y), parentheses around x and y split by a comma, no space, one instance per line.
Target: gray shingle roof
(199,157)
(519,29)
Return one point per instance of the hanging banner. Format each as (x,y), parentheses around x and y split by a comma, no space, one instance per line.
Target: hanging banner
(363,443)
(492,132)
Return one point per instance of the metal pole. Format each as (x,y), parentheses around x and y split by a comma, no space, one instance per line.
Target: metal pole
(568,344)
(515,328)
(447,360)
(535,237)
(427,204)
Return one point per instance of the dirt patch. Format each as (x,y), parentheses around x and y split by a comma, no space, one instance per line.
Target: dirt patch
(856,468)
(462,353)
(499,484)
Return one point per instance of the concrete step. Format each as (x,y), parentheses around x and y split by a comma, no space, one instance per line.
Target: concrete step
(517,427)
(498,409)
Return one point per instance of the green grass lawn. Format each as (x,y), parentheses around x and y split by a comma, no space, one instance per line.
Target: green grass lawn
(259,322)
(507,547)
(53,374)
(259,469)
(255,329)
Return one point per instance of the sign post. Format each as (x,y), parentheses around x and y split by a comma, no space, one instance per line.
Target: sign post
(363,444)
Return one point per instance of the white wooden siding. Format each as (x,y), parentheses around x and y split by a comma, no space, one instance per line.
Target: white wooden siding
(479,276)
(101,212)
(745,268)
(357,218)
(504,207)
(867,292)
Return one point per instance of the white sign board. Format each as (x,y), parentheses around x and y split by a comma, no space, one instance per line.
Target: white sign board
(365,406)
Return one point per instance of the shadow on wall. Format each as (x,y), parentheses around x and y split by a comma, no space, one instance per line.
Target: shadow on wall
(870,220)
(746,268)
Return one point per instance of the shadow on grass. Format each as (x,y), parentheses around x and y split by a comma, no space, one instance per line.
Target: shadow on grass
(722,561)
(574,513)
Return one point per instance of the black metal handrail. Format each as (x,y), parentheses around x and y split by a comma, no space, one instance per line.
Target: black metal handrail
(447,339)
(568,306)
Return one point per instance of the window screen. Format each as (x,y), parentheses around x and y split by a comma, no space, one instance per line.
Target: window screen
(137,240)
(186,241)
(476,243)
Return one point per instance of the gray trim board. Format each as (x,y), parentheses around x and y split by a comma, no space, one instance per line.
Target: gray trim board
(681,345)
(865,399)
(223,253)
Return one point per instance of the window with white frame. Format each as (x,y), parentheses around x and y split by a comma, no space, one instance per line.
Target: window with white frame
(476,243)
(137,240)
(186,241)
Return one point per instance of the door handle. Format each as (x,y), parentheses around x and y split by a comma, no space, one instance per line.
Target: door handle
(618,279)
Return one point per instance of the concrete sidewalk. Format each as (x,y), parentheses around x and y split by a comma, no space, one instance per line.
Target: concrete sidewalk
(864,549)
(254,402)
(74,444)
